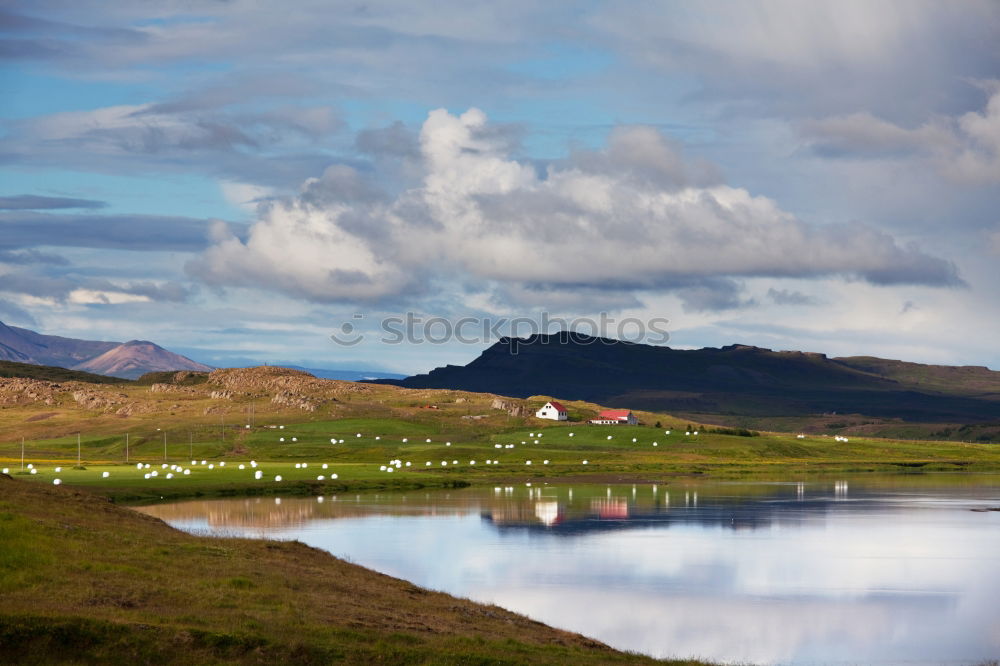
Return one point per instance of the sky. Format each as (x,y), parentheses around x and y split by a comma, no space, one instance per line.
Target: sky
(239,180)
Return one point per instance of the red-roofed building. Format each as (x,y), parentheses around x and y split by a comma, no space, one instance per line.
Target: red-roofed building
(552,410)
(615,417)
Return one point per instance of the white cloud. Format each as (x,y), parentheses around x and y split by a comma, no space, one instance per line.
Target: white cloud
(787,58)
(635,215)
(965,148)
(785,33)
(993,240)
(92,296)
(245,195)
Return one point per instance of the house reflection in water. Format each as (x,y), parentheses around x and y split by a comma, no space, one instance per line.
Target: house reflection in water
(596,509)
(548,512)
(609,508)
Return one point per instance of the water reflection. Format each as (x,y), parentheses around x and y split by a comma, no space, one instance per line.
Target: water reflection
(846,571)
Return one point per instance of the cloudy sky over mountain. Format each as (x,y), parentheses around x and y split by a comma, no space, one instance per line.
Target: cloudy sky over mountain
(236,179)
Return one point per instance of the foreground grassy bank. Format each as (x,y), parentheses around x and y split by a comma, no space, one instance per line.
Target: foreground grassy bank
(85,581)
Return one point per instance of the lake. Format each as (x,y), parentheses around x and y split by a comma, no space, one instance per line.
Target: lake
(888,570)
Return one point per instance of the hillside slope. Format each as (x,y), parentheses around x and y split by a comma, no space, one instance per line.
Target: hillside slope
(26,346)
(733,380)
(966,379)
(136,590)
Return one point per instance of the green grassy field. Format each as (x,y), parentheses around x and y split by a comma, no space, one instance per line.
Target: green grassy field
(550,452)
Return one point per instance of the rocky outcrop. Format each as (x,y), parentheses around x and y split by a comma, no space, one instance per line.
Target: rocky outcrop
(512,407)
(170,388)
(260,380)
(133,408)
(19,391)
(285,386)
(297,400)
(89,399)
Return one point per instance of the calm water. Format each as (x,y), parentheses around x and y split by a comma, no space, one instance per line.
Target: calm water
(874,571)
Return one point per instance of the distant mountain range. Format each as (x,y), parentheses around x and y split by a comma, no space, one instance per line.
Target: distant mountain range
(127,360)
(738,380)
(25,346)
(345,375)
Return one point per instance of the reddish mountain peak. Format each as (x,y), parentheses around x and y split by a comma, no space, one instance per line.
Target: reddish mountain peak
(137,357)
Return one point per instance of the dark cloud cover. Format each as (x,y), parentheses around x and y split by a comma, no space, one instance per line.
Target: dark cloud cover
(31,256)
(146,233)
(790,297)
(61,287)
(35,202)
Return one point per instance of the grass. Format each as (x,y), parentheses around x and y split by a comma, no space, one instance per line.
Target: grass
(126,483)
(85,581)
(357,460)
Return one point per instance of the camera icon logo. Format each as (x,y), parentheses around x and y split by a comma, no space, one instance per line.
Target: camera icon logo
(347,334)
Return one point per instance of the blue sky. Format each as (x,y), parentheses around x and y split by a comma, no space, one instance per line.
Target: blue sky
(236,180)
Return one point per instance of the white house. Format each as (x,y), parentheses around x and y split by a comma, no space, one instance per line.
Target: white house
(615,417)
(552,410)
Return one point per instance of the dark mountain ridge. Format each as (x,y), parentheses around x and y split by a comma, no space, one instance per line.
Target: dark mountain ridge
(733,380)
(53,374)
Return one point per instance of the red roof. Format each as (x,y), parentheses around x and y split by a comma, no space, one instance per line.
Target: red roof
(614,414)
(558,406)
